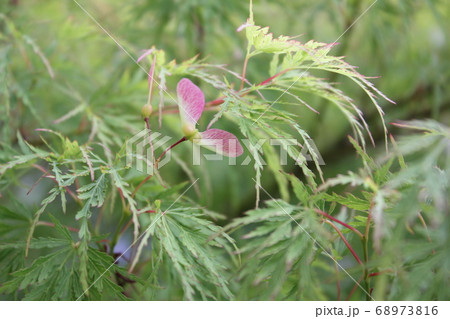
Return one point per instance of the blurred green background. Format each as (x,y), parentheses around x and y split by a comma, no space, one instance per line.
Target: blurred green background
(54,58)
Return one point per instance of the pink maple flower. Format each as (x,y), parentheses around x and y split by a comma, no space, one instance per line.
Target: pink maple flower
(191,102)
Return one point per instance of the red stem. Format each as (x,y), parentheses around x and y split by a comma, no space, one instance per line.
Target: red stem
(168,149)
(150,211)
(125,227)
(273,77)
(345,242)
(340,222)
(41,223)
(122,198)
(150,80)
(244,70)
(353,289)
(75,198)
(215,102)
(140,184)
(220,100)
(37,182)
(147,123)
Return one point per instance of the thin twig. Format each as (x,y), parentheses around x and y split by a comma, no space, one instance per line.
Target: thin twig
(147,123)
(244,70)
(168,149)
(345,241)
(140,184)
(41,223)
(72,194)
(354,289)
(340,222)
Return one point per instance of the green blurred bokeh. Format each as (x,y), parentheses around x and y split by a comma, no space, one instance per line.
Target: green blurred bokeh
(404,44)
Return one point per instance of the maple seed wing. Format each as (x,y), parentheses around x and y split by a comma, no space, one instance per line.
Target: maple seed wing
(143,55)
(222,142)
(191,101)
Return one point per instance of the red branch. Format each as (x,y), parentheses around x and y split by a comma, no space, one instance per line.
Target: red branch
(41,223)
(340,222)
(345,242)
(273,77)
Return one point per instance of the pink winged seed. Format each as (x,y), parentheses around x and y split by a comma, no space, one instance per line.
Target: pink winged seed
(143,55)
(191,101)
(222,142)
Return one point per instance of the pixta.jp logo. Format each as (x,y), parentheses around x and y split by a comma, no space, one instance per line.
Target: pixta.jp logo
(139,151)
